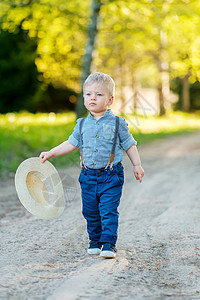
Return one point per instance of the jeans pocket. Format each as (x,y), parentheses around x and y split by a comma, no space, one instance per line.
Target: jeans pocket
(81,177)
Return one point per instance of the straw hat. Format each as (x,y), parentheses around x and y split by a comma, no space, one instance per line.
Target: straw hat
(39,188)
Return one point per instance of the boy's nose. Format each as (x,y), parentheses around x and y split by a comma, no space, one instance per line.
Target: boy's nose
(93,97)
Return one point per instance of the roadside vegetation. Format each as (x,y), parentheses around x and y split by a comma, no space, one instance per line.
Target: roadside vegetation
(25,135)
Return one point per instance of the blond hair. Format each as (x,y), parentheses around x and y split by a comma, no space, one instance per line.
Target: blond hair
(103,79)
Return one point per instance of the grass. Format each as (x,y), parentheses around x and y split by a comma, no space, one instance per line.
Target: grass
(149,128)
(24,135)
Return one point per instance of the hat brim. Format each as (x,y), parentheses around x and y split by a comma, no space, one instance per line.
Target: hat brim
(39,188)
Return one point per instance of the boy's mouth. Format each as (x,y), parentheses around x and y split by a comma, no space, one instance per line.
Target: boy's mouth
(92,103)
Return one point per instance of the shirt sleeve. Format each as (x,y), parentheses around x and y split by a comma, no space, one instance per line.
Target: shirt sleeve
(126,139)
(74,138)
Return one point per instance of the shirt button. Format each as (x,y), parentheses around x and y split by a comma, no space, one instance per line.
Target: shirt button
(95,150)
(94,164)
(97,136)
(97,123)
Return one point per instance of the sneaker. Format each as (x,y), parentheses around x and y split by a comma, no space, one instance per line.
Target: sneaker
(94,247)
(108,251)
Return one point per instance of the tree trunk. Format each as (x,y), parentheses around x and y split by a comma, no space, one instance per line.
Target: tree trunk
(87,59)
(135,88)
(185,94)
(163,90)
(163,67)
(161,98)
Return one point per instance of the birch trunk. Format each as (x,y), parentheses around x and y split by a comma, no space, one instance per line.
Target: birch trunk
(163,67)
(87,59)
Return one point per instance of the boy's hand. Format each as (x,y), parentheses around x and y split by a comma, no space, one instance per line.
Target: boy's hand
(138,172)
(46,155)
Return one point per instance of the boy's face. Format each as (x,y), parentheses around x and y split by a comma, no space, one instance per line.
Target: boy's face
(96,97)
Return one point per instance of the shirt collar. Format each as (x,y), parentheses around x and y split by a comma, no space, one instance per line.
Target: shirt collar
(106,113)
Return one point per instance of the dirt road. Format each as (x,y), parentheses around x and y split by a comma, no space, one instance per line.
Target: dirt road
(158,245)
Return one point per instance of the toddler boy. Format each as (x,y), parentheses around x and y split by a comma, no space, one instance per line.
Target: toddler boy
(101,137)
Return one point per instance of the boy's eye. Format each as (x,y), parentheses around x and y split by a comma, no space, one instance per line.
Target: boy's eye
(99,94)
(88,94)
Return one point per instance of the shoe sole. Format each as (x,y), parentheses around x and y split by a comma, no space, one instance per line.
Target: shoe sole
(108,254)
(94,251)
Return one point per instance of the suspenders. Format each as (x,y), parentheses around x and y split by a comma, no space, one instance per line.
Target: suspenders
(112,155)
(81,153)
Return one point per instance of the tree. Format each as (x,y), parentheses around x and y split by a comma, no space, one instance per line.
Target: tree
(132,35)
(122,43)
(89,49)
(60,28)
(185,47)
(135,34)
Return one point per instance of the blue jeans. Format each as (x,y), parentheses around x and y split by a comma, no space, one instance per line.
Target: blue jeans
(101,193)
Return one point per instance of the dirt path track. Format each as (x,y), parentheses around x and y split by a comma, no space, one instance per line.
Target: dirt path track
(159,236)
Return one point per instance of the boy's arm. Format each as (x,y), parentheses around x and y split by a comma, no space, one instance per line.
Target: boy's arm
(61,149)
(136,162)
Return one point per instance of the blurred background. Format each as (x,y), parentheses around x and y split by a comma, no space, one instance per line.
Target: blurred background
(151,48)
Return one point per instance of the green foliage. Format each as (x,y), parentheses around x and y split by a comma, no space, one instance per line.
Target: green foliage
(183,29)
(18,73)
(19,87)
(138,35)
(60,28)
(140,39)
(131,33)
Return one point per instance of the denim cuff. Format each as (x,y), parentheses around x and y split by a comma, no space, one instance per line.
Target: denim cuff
(105,238)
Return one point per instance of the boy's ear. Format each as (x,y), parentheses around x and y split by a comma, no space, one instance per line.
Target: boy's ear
(110,101)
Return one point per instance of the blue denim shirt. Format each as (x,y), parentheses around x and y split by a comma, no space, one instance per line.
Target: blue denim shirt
(97,139)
